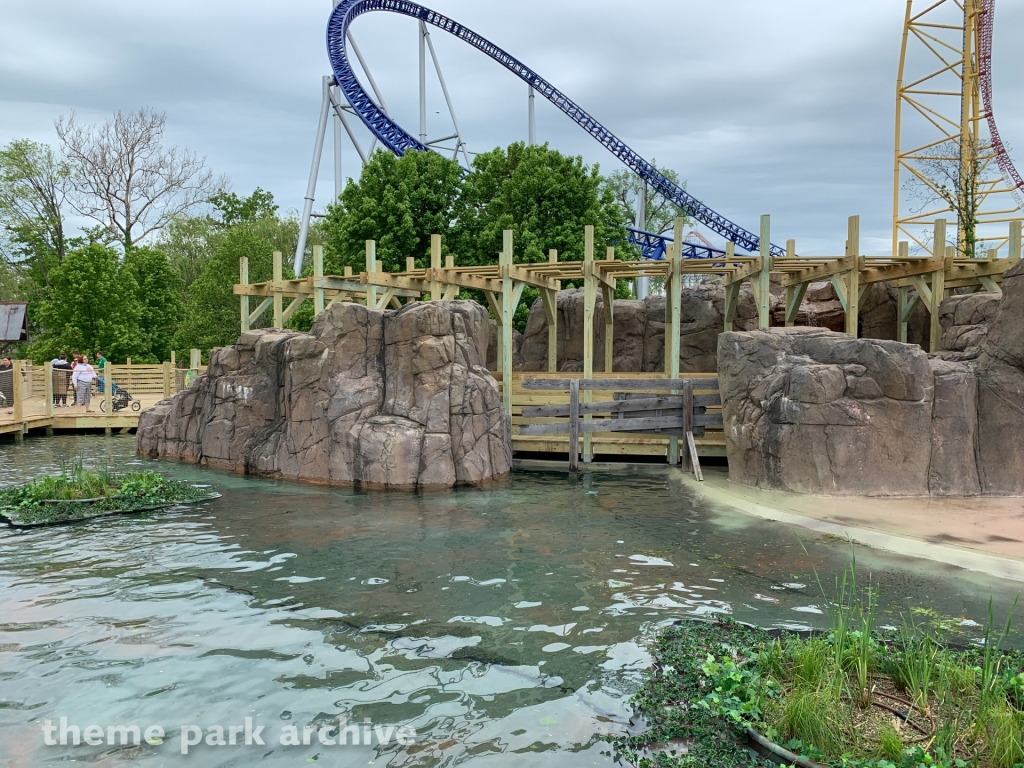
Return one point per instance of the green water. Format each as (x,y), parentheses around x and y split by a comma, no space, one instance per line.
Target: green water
(505,626)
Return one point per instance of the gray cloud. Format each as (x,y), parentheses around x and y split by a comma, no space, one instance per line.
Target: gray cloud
(783,108)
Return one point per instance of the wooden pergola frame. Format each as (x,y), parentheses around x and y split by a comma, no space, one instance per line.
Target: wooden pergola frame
(925,279)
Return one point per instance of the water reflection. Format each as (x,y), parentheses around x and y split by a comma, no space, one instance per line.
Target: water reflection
(506,626)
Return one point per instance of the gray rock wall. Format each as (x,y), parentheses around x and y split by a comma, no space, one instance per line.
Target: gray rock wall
(368,398)
(814,411)
(640,326)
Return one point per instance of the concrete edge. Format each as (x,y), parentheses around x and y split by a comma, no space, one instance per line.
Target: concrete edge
(992,565)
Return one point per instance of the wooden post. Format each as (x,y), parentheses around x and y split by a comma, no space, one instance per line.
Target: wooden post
(435,266)
(853,276)
(574,425)
(371,267)
(687,421)
(18,405)
(764,286)
(108,397)
(167,380)
(243,278)
(278,298)
(732,292)
(550,298)
(505,321)
(672,328)
(589,304)
(1015,239)
(48,386)
(318,274)
(608,299)
(174,361)
(195,359)
(938,287)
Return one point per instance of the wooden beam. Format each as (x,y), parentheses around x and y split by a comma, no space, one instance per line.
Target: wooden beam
(574,425)
(243,279)
(672,353)
(794,299)
(1015,240)
(371,267)
(853,276)
(700,384)
(292,308)
(589,301)
(763,279)
(938,287)
(18,405)
(258,312)
(48,387)
(732,292)
(435,268)
(505,321)
(278,298)
(820,272)
(318,274)
(651,403)
(608,299)
(550,299)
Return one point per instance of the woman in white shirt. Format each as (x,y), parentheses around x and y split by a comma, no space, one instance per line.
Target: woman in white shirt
(82,378)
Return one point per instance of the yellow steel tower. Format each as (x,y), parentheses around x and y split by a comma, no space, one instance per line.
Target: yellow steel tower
(950,162)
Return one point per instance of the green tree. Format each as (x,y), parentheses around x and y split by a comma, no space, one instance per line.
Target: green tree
(34,184)
(546,199)
(660,212)
(232,209)
(399,202)
(91,305)
(211,317)
(160,292)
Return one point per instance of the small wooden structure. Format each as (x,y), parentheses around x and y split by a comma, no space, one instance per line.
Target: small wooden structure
(680,415)
(34,406)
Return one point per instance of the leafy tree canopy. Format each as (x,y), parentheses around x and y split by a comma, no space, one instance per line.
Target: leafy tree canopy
(399,202)
(91,305)
(211,316)
(159,296)
(232,209)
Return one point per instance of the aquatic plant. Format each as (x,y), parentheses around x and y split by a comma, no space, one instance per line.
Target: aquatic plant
(78,493)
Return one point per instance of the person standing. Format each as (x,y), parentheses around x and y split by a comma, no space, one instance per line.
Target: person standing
(101,363)
(7,382)
(61,377)
(82,378)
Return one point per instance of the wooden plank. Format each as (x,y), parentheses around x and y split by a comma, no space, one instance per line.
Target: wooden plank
(505,318)
(589,302)
(694,458)
(853,277)
(700,384)
(647,424)
(671,402)
(243,277)
(318,274)
(371,267)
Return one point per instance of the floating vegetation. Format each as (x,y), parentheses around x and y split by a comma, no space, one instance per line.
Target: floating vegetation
(78,494)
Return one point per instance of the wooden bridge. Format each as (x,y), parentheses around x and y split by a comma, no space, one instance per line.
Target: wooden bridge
(31,405)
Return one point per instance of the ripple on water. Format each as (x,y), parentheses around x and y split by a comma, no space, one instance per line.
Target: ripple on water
(494,622)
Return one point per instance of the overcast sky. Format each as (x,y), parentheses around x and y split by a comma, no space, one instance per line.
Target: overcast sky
(782,107)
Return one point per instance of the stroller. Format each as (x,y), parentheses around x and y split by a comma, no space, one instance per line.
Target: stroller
(119,397)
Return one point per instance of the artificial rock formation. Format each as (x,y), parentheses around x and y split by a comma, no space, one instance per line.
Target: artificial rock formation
(639,331)
(368,398)
(813,411)
(639,326)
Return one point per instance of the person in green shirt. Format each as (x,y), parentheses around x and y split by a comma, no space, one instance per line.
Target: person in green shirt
(101,361)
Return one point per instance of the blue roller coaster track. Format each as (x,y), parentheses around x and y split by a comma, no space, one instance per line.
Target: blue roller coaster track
(399,141)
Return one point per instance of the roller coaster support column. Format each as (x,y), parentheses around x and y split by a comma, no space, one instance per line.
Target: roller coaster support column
(339,179)
(423,83)
(318,150)
(533,117)
(589,302)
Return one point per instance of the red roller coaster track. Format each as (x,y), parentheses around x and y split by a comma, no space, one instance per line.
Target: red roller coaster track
(1010,173)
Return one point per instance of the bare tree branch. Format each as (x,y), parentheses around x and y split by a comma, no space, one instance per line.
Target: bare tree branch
(126,179)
